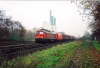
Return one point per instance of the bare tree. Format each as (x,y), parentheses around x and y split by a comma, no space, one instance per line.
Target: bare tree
(10,29)
(91,9)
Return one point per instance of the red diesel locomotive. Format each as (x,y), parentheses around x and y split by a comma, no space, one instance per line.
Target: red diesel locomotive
(43,35)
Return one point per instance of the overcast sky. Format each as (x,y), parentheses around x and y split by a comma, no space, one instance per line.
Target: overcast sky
(36,14)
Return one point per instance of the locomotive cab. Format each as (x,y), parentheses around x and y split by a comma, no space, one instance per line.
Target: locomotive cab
(44,35)
(39,36)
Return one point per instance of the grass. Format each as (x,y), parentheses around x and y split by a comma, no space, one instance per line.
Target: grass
(96,44)
(55,57)
(93,43)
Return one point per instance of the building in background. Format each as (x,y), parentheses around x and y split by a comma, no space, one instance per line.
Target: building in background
(51,25)
(52,21)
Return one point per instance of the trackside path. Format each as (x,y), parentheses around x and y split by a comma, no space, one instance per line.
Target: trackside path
(86,56)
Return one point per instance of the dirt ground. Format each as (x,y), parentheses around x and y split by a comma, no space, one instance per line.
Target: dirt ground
(85,58)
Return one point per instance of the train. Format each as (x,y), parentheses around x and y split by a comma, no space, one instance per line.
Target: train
(44,35)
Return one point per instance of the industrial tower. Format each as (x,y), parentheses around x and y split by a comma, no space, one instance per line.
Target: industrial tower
(52,22)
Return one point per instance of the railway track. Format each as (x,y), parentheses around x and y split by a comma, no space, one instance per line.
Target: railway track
(9,50)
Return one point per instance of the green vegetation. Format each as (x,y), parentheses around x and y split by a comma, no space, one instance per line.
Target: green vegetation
(96,44)
(88,43)
(79,53)
(85,44)
(55,57)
